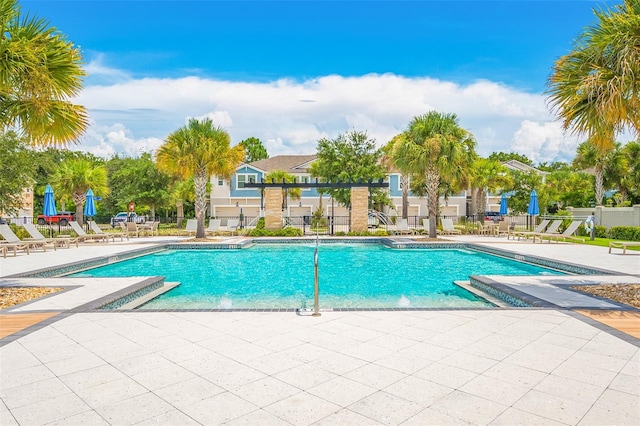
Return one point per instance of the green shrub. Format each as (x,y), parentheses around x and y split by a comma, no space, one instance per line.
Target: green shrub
(340,234)
(284,232)
(260,223)
(627,233)
(601,232)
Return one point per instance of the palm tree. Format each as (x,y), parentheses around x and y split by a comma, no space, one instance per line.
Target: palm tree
(199,149)
(436,147)
(595,89)
(40,71)
(488,176)
(388,161)
(604,163)
(75,176)
(282,176)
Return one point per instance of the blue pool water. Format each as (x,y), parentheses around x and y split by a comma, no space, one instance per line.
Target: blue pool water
(281,276)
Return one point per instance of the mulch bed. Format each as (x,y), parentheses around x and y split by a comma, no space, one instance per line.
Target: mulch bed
(629,294)
(10,296)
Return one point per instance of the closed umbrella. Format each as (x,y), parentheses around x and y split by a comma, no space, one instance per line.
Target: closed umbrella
(49,203)
(503,205)
(533,205)
(89,205)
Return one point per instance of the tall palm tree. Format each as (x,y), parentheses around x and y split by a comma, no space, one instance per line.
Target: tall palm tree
(488,176)
(595,89)
(199,149)
(40,71)
(279,176)
(590,156)
(75,176)
(436,147)
(388,161)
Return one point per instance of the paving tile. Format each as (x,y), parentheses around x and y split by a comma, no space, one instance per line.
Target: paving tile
(386,408)
(209,362)
(273,363)
(163,376)
(540,356)
(495,390)
(7,419)
(418,390)
(307,352)
(341,391)
(111,392)
(556,408)
(33,392)
(92,377)
(24,376)
(258,417)
(429,416)
(574,390)
(606,344)
(366,351)
(302,409)
(141,364)
(235,377)
(54,409)
(75,363)
(585,372)
(513,416)
(14,356)
(427,350)
(408,363)
(265,391)
(87,418)
(446,375)
(469,408)
(618,402)
(134,410)
(375,376)
(466,361)
(337,363)
(515,374)
(188,392)
(173,417)
(495,346)
(626,383)
(346,417)
(304,376)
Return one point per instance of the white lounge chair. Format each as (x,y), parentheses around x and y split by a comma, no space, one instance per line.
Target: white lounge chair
(526,234)
(402,227)
(12,242)
(98,231)
(36,235)
(231,227)
(568,234)
(448,228)
(214,226)
(83,236)
(192,226)
(550,232)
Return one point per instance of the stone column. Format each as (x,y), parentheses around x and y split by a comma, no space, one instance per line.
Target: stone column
(273,208)
(359,209)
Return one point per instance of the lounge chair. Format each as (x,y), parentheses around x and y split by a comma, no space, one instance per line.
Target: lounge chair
(402,227)
(149,227)
(623,245)
(36,235)
(132,229)
(526,234)
(503,228)
(12,242)
(98,231)
(214,226)
(231,227)
(567,235)
(12,239)
(192,226)
(550,232)
(448,228)
(83,236)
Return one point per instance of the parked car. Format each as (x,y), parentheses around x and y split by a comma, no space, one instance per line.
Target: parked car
(126,217)
(62,218)
(494,216)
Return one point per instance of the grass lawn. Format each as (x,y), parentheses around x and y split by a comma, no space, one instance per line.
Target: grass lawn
(604,242)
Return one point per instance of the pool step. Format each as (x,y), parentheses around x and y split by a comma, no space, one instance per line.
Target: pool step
(148,296)
(486,296)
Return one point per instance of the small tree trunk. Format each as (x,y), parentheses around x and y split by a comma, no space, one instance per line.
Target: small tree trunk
(405,196)
(200,181)
(179,213)
(599,186)
(432,179)
(79,200)
(152,213)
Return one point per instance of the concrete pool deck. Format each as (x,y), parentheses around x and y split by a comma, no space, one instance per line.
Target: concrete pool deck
(496,366)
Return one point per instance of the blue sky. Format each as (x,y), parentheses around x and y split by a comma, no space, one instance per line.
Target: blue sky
(153,64)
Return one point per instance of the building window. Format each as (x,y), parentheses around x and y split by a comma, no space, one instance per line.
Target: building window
(220,181)
(400,181)
(241,179)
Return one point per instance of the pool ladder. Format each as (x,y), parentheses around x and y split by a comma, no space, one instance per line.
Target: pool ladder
(316,287)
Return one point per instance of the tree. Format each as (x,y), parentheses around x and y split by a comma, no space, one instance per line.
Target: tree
(138,180)
(280,176)
(73,179)
(602,161)
(488,176)
(523,184)
(389,163)
(631,151)
(568,188)
(506,156)
(350,156)
(199,149)
(436,147)
(40,71)
(595,89)
(254,150)
(18,169)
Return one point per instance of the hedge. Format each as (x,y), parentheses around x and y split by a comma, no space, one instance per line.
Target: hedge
(627,233)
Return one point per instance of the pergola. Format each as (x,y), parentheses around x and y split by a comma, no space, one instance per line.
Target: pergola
(359,199)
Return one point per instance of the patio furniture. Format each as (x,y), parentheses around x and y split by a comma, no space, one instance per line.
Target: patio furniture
(12,240)
(214,226)
(192,226)
(402,227)
(96,230)
(568,234)
(231,227)
(83,236)
(36,235)
(132,229)
(526,234)
(149,227)
(448,228)
(551,231)
(623,245)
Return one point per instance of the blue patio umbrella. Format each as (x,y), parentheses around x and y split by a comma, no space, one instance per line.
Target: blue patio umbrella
(533,204)
(89,205)
(503,205)
(49,208)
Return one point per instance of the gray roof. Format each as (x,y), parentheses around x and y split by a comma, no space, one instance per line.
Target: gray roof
(288,163)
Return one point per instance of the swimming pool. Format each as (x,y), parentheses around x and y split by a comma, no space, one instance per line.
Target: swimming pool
(351,276)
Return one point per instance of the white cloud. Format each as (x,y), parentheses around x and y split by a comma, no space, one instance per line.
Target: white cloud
(290,116)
